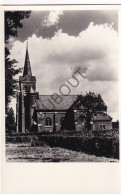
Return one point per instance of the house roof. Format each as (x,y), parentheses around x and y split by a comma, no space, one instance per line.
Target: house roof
(46,102)
(102,118)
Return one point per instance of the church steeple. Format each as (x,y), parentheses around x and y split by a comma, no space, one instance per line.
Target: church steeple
(27,97)
(27,66)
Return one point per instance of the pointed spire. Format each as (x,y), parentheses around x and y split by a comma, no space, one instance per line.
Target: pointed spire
(27,66)
(27,45)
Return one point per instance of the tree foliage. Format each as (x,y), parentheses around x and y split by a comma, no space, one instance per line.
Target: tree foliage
(10,120)
(13,21)
(92,103)
(10,82)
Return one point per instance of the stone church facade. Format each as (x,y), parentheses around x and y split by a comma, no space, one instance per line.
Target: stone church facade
(36,113)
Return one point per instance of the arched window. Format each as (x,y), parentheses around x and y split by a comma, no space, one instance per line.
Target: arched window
(48,121)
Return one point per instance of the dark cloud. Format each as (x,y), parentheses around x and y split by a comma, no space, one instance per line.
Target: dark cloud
(71,22)
(33,25)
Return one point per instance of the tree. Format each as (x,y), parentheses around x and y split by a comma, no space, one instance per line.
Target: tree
(91,103)
(12,23)
(10,82)
(10,120)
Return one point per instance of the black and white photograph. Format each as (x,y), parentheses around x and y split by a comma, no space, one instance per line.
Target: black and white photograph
(61,85)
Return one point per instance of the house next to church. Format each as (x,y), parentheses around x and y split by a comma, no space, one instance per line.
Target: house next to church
(36,113)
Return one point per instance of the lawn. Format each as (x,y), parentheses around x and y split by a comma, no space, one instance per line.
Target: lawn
(23,152)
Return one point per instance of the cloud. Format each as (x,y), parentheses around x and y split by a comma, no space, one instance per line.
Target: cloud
(53,61)
(71,22)
(80,19)
(52,19)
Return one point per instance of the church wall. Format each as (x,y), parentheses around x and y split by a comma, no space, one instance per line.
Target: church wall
(55,118)
(21,114)
(97,125)
(23,117)
(78,123)
(59,115)
(26,86)
(79,127)
(45,127)
(17,114)
(41,117)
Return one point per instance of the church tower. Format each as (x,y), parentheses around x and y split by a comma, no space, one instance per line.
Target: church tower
(26,98)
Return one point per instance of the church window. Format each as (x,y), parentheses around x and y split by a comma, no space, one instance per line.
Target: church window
(102,126)
(27,89)
(48,121)
(61,120)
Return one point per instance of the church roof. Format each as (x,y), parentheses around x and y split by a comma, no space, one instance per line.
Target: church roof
(102,118)
(45,102)
(27,66)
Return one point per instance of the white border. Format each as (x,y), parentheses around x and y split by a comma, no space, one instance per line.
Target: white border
(72,2)
(56,178)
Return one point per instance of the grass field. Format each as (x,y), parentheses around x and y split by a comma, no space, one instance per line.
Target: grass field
(25,153)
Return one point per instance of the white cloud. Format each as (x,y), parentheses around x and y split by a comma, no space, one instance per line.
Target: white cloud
(52,18)
(53,61)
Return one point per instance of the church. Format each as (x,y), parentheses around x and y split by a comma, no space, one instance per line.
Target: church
(37,113)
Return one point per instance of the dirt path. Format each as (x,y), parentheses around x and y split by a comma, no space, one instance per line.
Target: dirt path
(26,153)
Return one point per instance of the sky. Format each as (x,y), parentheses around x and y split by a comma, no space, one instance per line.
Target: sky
(60,42)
